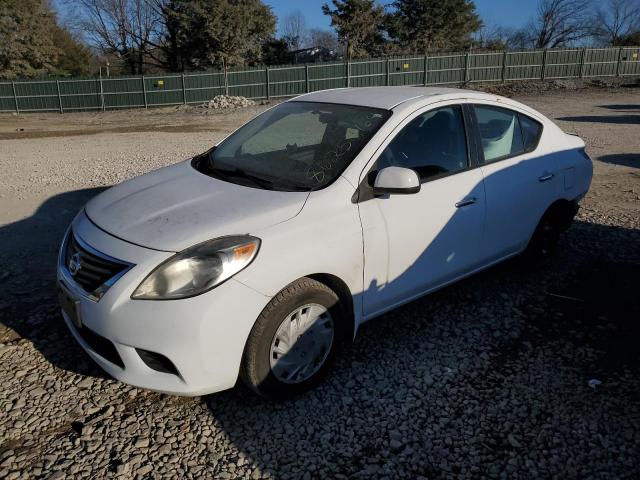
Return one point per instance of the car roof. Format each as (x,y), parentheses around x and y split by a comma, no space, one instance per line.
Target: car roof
(384,97)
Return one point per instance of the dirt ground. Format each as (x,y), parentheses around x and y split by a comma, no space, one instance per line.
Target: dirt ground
(488,378)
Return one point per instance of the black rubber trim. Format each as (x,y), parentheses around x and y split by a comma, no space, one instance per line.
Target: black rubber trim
(401,191)
(158,362)
(100,345)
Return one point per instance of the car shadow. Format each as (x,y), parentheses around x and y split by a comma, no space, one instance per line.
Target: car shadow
(28,272)
(623,107)
(448,396)
(613,119)
(625,159)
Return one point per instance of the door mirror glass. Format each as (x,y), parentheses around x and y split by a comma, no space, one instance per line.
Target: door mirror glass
(398,180)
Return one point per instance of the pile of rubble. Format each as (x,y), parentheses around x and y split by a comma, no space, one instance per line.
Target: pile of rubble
(227,102)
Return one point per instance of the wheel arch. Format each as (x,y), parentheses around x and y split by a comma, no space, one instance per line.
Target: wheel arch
(341,289)
(562,212)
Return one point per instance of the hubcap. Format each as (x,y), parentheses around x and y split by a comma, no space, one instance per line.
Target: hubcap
(302,343)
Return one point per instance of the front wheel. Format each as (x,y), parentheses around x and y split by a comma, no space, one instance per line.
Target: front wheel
(294,340)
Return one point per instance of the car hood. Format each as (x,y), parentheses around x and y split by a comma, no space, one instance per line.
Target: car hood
(176,207)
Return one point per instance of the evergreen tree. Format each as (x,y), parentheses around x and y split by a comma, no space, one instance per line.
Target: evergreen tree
(360,26)
(423,25)
(27,47)
(205,33)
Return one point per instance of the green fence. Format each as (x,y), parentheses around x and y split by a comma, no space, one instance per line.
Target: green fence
(65,95)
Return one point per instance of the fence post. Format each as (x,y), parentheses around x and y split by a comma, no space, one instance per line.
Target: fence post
(504,66)
(101,91)
(15,97)
(144,92)
(388,71)
(348,65)
(266,73)
(59,96)
(426,69)
(184,91)
(306,76)
(584,54)
(226,79)
(544,64)
(466,67)
(619,61)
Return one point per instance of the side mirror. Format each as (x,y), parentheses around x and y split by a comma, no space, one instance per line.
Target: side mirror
(398,180)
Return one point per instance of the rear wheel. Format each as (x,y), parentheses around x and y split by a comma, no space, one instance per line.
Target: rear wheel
(294,340)
(544,240)
(556,220)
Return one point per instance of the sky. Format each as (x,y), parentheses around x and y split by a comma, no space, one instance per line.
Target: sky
(508,13)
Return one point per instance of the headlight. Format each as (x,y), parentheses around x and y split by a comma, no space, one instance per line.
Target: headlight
(199,268)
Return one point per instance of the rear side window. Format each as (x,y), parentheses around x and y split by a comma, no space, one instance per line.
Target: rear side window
(531,131)
(499,131)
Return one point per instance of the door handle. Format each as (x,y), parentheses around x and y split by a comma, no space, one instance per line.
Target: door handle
(545,177)
(466,201)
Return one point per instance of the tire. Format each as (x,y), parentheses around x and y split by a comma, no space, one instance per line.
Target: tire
(545,238)
(265,369)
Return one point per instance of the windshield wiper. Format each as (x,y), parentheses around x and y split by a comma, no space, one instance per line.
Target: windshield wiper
(239,173)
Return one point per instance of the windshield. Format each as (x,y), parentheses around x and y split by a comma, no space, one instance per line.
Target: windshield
(295,146)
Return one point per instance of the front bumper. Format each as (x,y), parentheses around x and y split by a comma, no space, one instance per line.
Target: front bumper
(202,337)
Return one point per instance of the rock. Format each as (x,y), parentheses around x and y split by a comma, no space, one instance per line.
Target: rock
(85,383)
(513,442)
(141,442)
(38,392)
(142,471)
(395,444)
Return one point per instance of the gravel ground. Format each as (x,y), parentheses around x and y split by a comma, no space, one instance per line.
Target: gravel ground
(486,378)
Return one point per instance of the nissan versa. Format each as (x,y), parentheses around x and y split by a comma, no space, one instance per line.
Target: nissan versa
(261,256)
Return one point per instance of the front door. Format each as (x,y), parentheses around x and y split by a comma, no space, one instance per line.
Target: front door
(416,242)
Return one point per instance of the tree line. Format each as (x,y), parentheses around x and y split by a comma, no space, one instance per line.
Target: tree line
(142,36)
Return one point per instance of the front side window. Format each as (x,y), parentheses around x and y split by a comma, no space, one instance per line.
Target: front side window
(434,144)
(499,131)
(295,146)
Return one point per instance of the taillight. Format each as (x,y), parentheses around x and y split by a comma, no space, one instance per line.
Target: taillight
(586,156)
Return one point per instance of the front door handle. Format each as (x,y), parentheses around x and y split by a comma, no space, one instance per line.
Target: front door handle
(466,201)
(545,177)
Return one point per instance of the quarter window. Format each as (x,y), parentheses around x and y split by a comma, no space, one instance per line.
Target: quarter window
(434,144)
(531,131)
(500,132)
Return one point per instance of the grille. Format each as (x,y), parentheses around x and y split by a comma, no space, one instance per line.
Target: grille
(94,269)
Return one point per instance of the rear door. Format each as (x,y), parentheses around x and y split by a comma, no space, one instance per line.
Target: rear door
(520,181)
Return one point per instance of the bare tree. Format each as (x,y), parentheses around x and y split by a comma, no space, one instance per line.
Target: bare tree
(126,28)
(618,19)
(519,39)
(560,22)
(492,37)
(294,30)
(324,38)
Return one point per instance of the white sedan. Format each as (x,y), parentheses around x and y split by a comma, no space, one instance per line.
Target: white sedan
(262,256)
